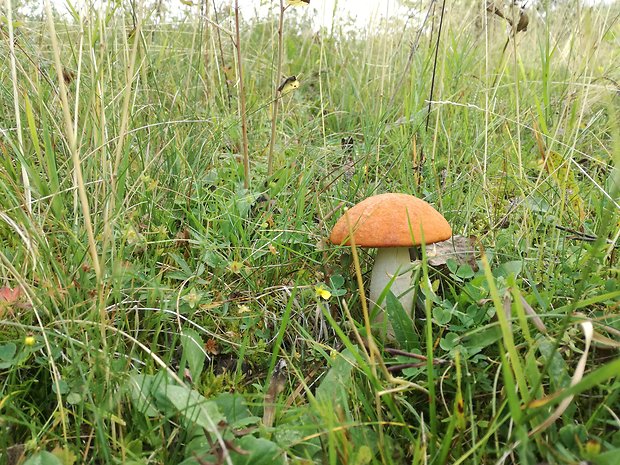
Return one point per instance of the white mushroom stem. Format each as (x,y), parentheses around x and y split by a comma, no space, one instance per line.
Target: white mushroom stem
(390,262)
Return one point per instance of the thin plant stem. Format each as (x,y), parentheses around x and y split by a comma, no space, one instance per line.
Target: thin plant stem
(517,91)
(372,347)
(110,209)
(71,139)
(430,98)
(242,112)
(20,139)
(218,31)
(276,100)
(125,115)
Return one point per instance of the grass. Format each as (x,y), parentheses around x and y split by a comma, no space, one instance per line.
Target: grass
(149,286)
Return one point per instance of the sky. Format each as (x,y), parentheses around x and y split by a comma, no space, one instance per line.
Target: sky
(362,12)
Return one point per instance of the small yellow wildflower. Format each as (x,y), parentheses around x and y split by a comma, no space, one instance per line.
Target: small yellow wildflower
(192,298)
(235,267)
(592,447)
(243,308)
(322,293)
(132,236)
(161,230)
(29,341)
(150,182)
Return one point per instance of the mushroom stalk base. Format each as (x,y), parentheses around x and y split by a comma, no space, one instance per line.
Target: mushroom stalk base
(388,263)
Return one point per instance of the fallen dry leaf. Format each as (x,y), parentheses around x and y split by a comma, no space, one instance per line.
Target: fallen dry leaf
(459,248)
(604,341)
(211,347)
(276,386)
(533,315)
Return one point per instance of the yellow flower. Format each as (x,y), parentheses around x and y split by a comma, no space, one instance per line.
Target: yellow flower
(29,341)
(192,298)
(243,308)
(322,293)
(161,230)
(235,267)
(132,236)
(593,447)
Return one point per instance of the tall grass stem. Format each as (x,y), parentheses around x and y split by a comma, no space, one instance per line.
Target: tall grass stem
(20,139)
(71,139)
(242,105)
(276,100)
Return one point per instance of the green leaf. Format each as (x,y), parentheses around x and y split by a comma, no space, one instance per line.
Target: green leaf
(442,315)
(449,342)
(204,457)
(43,458)
(363,456)
(7,351)
(571,435)
(193,351)
(140,389)
(65,455)
(198,446)
(61,387)
(338,292)
(482,338)
(333,389)
(193,407)
(235,409)
(185,272)
(452,265)
(261,452)
(513,267)
(512,397)
(558,371)
(74,398)
(465,271)
(401,323)
(336,281)
(611,457)
(213,259)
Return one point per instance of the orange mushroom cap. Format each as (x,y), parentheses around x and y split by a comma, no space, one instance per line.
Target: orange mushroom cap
(391,220)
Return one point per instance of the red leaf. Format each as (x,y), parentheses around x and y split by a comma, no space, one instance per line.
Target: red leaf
(9,295)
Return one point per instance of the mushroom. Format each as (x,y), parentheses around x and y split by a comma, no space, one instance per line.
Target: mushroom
(393,223)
